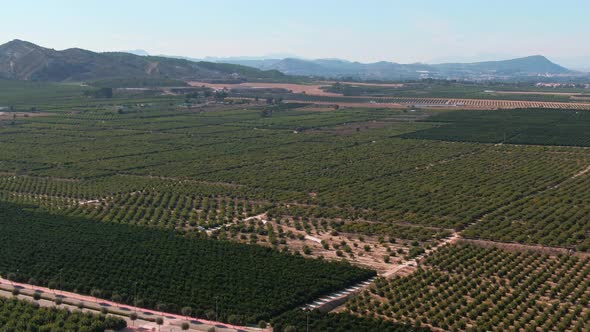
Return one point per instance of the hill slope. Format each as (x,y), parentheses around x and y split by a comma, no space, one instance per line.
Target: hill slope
(334,68)
(26,61)
(536,64)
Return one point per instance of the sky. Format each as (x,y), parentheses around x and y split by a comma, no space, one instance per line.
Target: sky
(368,30)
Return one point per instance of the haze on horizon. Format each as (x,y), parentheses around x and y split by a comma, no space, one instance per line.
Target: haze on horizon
(421,31)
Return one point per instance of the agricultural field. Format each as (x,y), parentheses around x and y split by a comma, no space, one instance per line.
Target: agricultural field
(379,246)
(19,315)
(456,90)
(296,320)
(265,207)
(162,270)
(506,102)
(470,288)
(441,95)
(522,126)
(555,217)
(203,168)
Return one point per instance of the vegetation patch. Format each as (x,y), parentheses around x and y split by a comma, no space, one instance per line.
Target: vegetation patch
(522,126)
(470,288)
(19,315)
(297,320)
(161,269)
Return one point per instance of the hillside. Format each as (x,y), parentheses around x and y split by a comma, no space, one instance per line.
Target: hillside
(536,64)
(531,66)
(26,61)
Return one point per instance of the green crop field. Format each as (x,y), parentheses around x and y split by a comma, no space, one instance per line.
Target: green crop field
(468,288)
(18,315)
(521,126)
(258,205)
(339,323)
(372,173)
(170,271)
(448,89)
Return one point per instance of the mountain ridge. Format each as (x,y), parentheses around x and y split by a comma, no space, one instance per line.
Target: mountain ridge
(24,60)
(27,61)
(535,65)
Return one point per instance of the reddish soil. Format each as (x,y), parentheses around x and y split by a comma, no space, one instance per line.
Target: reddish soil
(311,89)
(20,115)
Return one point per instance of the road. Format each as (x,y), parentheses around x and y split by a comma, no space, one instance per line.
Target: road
(172,322)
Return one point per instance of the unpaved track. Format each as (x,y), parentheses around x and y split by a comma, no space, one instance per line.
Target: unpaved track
(330,302)
(414,262)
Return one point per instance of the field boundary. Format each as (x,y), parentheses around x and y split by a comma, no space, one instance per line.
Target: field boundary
(515,246)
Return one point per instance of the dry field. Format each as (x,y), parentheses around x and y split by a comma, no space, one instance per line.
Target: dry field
(19,115)
(312,89)
(387,85)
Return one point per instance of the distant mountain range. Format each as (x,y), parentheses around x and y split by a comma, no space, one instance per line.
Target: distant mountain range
(26,61)
(527,67)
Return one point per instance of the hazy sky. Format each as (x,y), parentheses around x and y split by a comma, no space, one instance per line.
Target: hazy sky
(369,30)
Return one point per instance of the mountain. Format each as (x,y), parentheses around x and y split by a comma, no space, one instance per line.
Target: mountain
(518,68)
(26,61)
(536,64)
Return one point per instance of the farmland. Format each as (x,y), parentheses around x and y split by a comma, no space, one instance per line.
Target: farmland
(266,206)
(434,95)
(18,315)
(469,288)
(339,323)
(163,269)
(521,126)
(184,168)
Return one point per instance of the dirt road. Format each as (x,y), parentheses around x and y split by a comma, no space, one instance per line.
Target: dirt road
(332,301)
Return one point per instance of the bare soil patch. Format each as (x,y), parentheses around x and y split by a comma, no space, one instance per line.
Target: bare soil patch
(391,85)
(20,115)
(310,89)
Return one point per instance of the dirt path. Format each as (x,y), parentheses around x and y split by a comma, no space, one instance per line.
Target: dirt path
(170,320)
(582,172)
(332,301)
(414,262)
